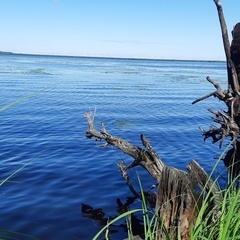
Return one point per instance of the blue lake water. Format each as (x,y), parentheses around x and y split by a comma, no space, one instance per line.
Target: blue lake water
(132,97)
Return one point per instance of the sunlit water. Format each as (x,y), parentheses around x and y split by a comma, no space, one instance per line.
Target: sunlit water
(48,128)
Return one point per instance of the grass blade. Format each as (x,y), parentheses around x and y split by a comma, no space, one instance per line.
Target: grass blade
(116,219)
(23,98)
(18,170)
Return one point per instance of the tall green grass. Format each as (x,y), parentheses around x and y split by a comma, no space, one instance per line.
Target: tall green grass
(223,220)
(226,223)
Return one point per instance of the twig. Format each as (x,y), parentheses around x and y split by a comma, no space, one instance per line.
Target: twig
(123,169)
(202,98)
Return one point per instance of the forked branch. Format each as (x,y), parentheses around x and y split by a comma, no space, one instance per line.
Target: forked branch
(146,158)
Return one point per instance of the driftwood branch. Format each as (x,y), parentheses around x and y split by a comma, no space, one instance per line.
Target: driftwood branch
(175,186)
(123,169)
(123,145)
(146,158)
(204,97)
(220,94)
(203,180)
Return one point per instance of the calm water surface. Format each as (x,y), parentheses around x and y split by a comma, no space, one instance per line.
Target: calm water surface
(67,170)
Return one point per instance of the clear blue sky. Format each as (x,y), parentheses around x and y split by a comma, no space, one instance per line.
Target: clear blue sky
(165,29)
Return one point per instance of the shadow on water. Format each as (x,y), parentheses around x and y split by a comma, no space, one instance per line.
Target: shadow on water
(98,215)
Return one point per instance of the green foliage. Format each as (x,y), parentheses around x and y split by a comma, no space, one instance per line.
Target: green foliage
(225,224)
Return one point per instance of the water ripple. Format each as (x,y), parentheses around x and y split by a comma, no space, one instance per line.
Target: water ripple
(132,97)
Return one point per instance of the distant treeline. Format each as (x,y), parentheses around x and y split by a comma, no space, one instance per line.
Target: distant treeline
(1,52)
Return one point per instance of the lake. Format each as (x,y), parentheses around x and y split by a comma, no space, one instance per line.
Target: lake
(42,102)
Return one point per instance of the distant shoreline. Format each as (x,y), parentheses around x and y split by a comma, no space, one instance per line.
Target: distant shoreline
(105,57)
(1,52)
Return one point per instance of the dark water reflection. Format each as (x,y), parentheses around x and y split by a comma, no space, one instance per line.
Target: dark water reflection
(132,97)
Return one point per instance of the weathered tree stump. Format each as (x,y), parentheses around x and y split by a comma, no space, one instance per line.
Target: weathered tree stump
(177,202)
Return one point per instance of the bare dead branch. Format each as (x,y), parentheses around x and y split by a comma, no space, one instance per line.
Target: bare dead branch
(145,158)
(207,186)
(205,97)
(123,169)
(202,178)
(232,74)
(151,152)
(220,94)
(228,127)
(123,145)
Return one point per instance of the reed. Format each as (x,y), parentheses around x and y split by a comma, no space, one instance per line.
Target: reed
(226,225)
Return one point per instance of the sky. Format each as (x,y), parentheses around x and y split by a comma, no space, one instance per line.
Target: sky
(161,29)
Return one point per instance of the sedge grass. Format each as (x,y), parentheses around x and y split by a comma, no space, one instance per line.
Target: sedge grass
(225,224)
(199,227)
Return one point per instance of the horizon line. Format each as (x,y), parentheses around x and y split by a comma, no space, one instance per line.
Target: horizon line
(108,57)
